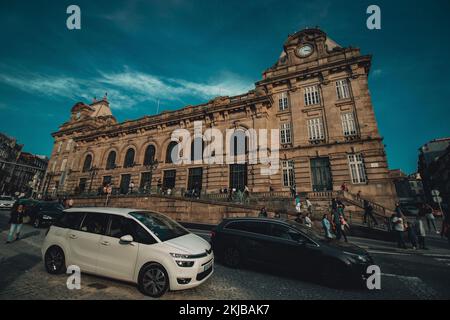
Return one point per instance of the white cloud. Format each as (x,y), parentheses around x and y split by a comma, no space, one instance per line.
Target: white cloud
(127,88)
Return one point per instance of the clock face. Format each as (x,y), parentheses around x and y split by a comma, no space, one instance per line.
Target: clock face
(305,50)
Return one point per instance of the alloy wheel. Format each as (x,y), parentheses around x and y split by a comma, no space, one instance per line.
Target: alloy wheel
(54,260)
(155,281)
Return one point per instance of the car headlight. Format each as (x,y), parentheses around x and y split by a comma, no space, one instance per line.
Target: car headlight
(184,264)
(357,257)
(179,255)
(45,217)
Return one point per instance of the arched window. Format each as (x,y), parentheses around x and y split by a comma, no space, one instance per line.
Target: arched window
(149,155)
(171,148)
(111,161)
(239,143)
(87,163)
(197,149)
(129,158)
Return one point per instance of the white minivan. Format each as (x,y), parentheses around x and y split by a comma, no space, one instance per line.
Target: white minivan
(138,246)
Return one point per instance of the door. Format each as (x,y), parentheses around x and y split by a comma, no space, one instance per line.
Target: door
(238,176)
(116,259)
(125,183)
(321,174)
(84,243)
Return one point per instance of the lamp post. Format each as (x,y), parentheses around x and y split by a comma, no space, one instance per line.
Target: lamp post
(93,171)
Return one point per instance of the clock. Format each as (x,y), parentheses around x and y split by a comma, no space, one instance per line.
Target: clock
(305,50)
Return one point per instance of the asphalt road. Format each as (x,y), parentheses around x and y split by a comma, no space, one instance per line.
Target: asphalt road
(405,275)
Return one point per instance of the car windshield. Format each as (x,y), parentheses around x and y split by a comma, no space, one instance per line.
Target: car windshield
(307,231)
(161,226)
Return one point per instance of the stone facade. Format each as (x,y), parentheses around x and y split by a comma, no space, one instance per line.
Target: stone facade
(317,91)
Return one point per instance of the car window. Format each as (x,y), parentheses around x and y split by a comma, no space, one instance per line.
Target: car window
(70,220)
(257,227)
(94,223)
(284,232)
(6,198)
(121,226)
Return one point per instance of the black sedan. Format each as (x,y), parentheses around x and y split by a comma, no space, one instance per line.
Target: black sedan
(287,245)
(44,213)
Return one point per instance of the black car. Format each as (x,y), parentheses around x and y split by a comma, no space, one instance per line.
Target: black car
(287,245)
(44,213)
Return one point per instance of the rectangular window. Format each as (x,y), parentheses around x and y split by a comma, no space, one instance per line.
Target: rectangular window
(312,95)
(342,89)
(315,129)
(146,181)
(195,179)
(82,185)
(348,124)
(283,101)
(285,133)
(107,180)
(169,179)
(288,173)
(357,170)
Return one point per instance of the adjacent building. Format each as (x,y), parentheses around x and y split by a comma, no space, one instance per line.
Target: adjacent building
(316,95)
(9,154)
(434,168)
(409,188)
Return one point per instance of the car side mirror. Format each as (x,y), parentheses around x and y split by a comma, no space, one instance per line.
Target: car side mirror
(126,239)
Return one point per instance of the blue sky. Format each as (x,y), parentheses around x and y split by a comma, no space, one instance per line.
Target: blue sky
(186,52)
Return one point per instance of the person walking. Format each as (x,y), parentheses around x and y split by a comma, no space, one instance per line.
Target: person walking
(298,204)
(293,191)
(344,227)
(428,210)
(399,228)
(326,225)
(309,206)
(16,222)
(420,231)
(368,213)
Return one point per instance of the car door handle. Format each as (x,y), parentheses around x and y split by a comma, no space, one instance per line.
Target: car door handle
(104,243)
(73,236)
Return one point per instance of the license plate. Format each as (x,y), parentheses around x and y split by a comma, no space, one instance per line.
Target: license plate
(209,265)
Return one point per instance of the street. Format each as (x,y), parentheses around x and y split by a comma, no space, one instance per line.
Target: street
(406,274)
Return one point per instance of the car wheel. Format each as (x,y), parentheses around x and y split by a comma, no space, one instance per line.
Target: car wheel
(37,223)
(55,262)
(232,257)
(153,280)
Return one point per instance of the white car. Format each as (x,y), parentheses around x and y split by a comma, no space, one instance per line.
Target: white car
(6,202)
(133,245)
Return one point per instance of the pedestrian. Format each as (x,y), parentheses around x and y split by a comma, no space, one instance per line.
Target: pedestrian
(345,228)
(420,231)
(326,225)
(298,204)
(368,213)
(309,206)
(333,204)
(70,203)
(131,186)
(307,220)
(344,187)
(293,191)
(428,210)
(337,224)
(412,236)
(16,222)
(399,228)
(263,212)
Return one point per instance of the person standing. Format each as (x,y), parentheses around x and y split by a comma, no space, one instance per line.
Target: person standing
(412,236)
(420,231)
(399,228)
(293,191)
(326,225)
(16,221)
(430,217)
(308,221)
(337,224)
(344,227)
(263,212)
(298,204)
(131,186)
(309,206)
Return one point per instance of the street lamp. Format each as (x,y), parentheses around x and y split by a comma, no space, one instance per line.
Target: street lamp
(93,171)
